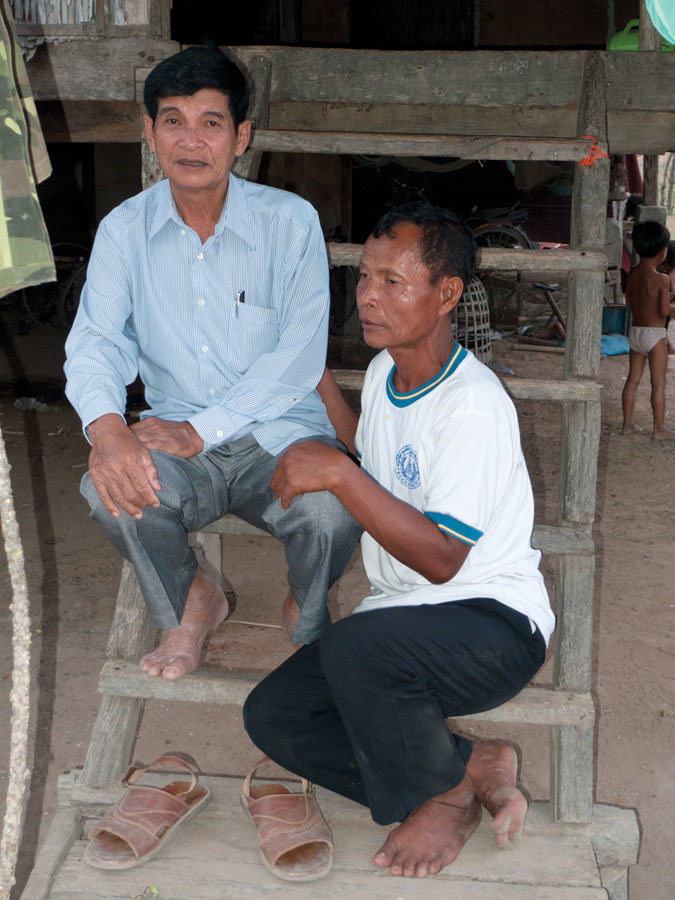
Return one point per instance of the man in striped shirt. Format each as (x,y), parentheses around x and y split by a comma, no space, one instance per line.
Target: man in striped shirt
(215,292)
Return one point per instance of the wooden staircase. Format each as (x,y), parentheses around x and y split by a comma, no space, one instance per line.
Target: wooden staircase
(573,849)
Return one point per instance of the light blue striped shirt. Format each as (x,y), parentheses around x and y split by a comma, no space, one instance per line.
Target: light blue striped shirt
(159,303)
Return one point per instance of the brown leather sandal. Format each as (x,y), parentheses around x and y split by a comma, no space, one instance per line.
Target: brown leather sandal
(296,844)
(144,818)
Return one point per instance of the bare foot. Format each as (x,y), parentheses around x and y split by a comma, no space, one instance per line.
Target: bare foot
(631,429)
(290,613)
(663,434)
(433,835)
(492,769)
(180,648)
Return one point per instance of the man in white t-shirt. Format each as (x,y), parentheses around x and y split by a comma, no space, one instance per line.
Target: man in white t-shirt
(458,618)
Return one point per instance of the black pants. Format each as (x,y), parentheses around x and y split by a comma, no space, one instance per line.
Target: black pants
(362,710)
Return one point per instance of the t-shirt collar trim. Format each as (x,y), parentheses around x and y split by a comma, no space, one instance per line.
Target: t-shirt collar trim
(399,399)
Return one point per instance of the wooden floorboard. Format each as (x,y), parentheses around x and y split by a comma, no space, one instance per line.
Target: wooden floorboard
(216,856)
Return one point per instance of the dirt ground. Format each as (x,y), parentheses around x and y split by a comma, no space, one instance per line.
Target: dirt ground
(73,576)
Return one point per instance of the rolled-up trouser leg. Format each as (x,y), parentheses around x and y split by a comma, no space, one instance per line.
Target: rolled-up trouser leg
(318,534)
(192,495)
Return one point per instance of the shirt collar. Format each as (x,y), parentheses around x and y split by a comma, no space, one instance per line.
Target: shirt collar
(235,214)
(405,399)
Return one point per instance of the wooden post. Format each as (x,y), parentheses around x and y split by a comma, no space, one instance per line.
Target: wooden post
(151,171)
(572,749)
(114,733)
(260,81)
(649,39)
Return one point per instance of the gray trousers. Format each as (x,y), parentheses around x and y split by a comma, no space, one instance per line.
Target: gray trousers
(318,534)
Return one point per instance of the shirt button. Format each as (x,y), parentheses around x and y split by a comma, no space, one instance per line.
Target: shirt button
(211,391)
(294,399)
(201,302)
(182,231)
(205,349)
(219,433)
(200,256)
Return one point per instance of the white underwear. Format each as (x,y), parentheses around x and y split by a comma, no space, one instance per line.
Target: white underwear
(643,339)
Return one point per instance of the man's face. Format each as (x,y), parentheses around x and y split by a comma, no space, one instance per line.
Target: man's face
(195,140)
(398,306)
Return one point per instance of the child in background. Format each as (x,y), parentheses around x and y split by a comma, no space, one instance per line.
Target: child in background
(668,268)
(648,296)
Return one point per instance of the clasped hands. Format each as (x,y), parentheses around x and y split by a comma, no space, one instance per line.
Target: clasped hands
(125,476)
(120,464)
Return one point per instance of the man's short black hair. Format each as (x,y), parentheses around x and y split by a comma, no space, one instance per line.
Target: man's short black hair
(447,245)
(192,70)
(650,237)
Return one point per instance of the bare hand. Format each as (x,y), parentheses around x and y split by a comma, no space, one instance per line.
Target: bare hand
(306,468)
(121,468)
(178,438)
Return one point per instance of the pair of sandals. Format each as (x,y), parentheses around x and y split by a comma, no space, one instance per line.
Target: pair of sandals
(296,844)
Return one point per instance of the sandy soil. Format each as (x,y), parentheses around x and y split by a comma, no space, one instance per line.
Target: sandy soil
(73,576)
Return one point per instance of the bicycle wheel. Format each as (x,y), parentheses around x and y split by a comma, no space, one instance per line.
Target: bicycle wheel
(503,289)
(496,234)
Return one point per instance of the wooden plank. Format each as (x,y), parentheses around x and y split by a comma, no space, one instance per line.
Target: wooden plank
(572,773)
(121,678)
(547,538)
(422,118)
(631,79)
(562,541)
(641,131)
(614,832)
(462,146)
(615,881)
(572,669)
(493,258)
(131,635)
(63,71)
(579,469)
(480,78)
(73,121)
(65,829)
(534,389)
(260,78)
(216,856)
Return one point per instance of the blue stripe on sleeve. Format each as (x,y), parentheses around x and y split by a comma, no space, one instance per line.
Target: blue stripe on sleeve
(455,528)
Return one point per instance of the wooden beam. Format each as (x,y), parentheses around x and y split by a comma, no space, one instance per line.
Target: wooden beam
(488,259)
(422,118)
(120,678)
(462,146)
(260,78)
(650,40)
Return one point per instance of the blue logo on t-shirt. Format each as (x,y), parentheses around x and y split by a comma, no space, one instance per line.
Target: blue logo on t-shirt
(407,467)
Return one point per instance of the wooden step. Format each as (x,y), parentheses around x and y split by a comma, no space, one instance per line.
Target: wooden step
(520,388)
(216,856)
(534,705)
(547,538)
(382,144)
(498,259)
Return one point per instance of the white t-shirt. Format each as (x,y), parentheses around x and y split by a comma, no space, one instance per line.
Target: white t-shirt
(452,450)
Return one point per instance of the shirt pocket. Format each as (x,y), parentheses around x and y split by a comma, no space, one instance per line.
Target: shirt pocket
(254,331)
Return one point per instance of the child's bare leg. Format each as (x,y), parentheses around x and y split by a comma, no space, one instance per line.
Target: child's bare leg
(636,368)
(658,362)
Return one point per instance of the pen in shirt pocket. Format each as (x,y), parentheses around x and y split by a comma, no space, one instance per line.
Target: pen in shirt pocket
(241,298)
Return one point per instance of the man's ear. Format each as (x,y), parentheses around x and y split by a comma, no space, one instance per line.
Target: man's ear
(451,291)
(243,136)
(149,126)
